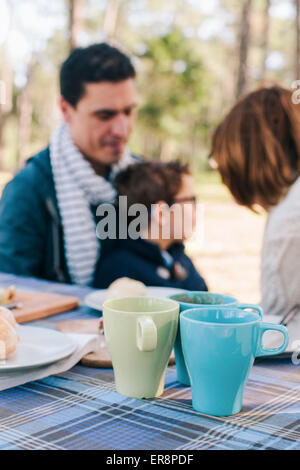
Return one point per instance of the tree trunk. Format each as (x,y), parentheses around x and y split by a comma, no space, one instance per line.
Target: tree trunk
(75,21)
(25,116)
(111,19)
(6,105)
(165,150)
(6,78)
(265,38)
(242,80)
(297,58)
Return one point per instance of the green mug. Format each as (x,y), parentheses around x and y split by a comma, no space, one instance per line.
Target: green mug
(140,333)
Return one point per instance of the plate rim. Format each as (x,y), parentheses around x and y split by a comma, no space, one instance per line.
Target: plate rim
(70,348)
(93,306)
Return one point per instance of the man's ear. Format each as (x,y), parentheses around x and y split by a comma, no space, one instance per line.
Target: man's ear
(66,109)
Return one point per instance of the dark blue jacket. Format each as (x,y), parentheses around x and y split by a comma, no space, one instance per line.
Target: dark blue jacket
(31,242)
(31,234)
(144,261)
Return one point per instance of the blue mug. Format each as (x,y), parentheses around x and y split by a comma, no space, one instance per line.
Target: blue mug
(204,299)
(219,347)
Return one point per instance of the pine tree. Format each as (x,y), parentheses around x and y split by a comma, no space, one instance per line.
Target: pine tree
(242,79)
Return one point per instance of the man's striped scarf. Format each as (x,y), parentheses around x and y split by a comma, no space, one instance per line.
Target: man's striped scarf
(77,188)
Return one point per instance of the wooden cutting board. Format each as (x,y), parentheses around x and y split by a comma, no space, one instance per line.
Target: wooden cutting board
(36,305)
(100,357)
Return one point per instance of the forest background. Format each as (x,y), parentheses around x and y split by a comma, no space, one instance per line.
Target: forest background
(194,59)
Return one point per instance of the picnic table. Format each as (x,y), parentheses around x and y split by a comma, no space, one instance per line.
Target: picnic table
(80,409)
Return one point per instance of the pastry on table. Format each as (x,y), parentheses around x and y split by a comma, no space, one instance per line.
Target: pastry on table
(126,287)
(9,316)
(9,338)
(7,294)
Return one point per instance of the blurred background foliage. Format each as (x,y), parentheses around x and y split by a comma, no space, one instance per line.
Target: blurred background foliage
(193,59)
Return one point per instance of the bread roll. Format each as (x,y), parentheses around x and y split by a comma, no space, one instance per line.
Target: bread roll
(7,294)
(126,287)
(9,316)
(9,337)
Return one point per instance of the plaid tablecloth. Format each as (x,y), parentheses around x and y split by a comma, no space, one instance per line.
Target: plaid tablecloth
(80,409)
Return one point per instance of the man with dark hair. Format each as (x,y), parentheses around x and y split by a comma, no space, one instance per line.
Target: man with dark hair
(48,211)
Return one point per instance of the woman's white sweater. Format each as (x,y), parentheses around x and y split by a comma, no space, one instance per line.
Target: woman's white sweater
(280,258)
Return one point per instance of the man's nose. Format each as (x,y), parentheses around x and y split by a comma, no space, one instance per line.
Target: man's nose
(120,126)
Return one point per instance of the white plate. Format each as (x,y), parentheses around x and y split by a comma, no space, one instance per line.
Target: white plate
(37,347)
(96,299)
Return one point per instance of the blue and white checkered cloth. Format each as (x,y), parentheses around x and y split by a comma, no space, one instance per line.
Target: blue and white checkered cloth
(80,409)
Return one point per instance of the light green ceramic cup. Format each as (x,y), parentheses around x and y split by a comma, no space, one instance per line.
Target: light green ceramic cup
(140,333)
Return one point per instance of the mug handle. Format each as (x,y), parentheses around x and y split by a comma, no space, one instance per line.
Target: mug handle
(253,307)
(271,352)
(146,336)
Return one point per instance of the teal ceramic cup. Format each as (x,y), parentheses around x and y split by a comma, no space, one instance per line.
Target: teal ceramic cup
(200,299)
(219,347)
